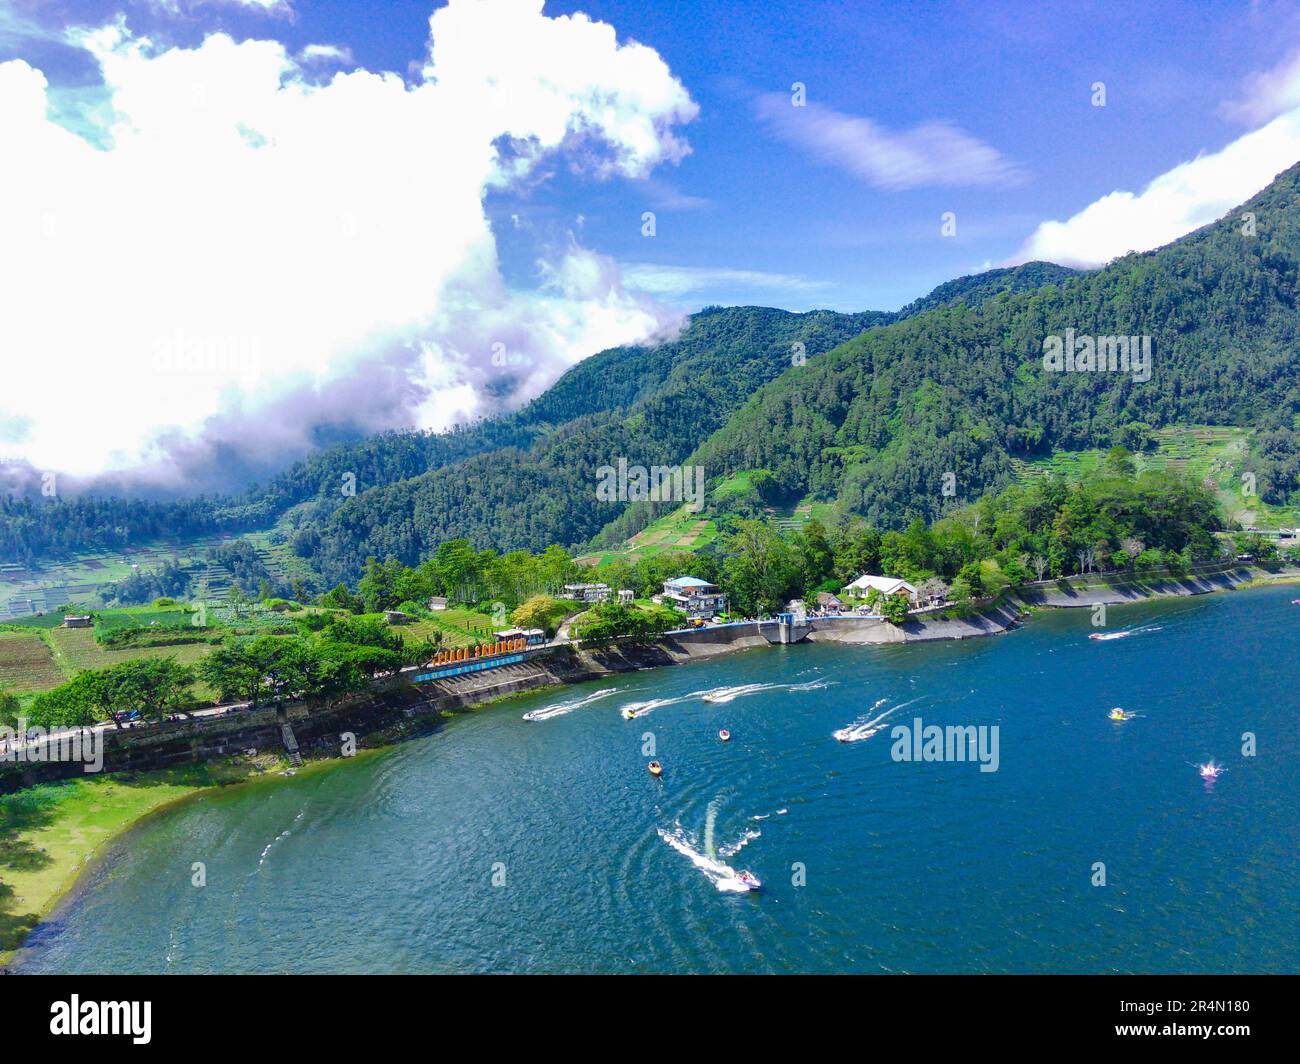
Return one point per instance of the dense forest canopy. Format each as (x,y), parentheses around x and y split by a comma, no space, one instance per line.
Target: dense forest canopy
(876,424)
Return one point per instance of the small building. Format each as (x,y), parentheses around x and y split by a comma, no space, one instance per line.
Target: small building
(532,636)
(696,598)
(828,603)
(437,603)
(625,597)
(76,621)
(395,617)
(586,592)
(886,585)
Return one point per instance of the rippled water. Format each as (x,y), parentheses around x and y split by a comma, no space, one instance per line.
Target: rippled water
(387,864)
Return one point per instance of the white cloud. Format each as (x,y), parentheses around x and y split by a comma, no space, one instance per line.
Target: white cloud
(325,53)
(1268,94)
(932,154)
(278,8)
(255,253)
(678,282)
(1187,197)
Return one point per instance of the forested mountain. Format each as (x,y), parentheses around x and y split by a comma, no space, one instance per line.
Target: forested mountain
(980,287)
(876,424)
(952,384)
(656,404)
(714,346)
(718,345)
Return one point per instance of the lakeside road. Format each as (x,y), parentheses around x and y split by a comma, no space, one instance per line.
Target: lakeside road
(1092,590)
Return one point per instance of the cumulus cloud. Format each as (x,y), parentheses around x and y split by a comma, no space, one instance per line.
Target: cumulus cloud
(1187,197)
(932,154)
(1193,193)
(255,256)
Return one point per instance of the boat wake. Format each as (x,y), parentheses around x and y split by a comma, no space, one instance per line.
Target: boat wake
(746,837)
(722,876)
(640,709)
(279,838)
(866,726)
(561,708)
(1144,629)
(718,695)
(728,694)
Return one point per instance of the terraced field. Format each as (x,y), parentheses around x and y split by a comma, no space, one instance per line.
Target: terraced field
(458,628)
(1213,453)
(80,578)
(26,663)
(75,649)
(681,530)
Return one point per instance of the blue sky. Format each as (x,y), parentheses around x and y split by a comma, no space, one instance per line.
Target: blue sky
(261,221)
(1017,77)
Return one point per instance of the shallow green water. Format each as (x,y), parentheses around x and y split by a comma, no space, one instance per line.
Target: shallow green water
(388,865)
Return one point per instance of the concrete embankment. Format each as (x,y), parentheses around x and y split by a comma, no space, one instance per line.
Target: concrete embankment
(870,630)
(395,708)
(1117,590)
(392,709)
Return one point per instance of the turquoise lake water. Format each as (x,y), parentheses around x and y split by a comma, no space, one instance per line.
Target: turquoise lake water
(388,864)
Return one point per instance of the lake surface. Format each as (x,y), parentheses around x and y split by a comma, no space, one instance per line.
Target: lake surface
(388,864)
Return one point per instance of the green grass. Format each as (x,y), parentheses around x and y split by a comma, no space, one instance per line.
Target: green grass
(49,832)
(458,627)
(143,617)
(38,620)
(75,650)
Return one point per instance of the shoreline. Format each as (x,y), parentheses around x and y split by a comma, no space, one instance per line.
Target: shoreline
(82,861)
(82,865)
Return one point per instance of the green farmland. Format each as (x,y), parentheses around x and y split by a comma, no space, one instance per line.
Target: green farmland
(1212,453)
(81,577)
(681,530)
(27,664)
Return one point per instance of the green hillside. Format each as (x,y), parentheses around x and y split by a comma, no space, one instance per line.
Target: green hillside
(875,425)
